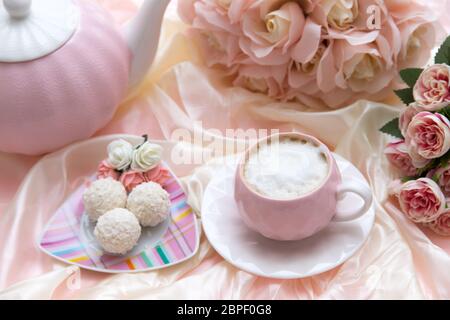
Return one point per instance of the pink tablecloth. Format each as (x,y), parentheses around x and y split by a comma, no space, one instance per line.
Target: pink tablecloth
(398,260)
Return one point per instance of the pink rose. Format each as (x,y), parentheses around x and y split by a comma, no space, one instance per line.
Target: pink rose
(433,85)
(131,179)
(105,170)
(442,176)
(406,116)
(414,108)
(157,174)
(397,154)
(441,225)
(394,187)
(432,107)
(428,136)
(421,200)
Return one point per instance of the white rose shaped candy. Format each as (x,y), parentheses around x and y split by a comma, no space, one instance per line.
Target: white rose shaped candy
(146,157)
(120,153)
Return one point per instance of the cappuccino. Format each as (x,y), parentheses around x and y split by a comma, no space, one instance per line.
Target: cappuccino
(286,169)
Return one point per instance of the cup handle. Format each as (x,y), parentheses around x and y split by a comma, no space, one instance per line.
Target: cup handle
(359,189)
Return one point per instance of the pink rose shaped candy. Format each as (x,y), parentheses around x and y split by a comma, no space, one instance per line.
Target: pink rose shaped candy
(105,170)
(397,154)
(131,179)
(157,174)
(421,200)
(428,137)
(433,85)
(441,225)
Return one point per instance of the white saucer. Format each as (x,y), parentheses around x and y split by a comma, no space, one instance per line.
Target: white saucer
(251,252)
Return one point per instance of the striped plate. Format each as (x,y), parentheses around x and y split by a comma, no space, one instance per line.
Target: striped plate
(69,237)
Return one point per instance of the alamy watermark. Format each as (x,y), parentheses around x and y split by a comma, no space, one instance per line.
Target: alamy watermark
(200,145)
(374,17)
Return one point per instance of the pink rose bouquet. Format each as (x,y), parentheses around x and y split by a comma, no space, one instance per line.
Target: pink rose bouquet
(422,152)
(321,53)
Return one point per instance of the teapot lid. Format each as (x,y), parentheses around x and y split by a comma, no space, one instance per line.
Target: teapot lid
(32,29)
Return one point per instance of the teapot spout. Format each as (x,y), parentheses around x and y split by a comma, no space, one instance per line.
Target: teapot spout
(142,35)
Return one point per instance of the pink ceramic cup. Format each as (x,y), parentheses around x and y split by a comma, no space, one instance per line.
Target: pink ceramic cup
(298,218)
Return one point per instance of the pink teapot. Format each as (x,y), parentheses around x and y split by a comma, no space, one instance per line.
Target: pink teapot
(65,67)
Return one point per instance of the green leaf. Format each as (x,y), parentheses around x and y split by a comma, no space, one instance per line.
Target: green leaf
(445,112)
(411,75)
(435,163)
(443,54)
(444,160)
(392,129)
(406,95)
(406,179)
(431,165)
(435,178)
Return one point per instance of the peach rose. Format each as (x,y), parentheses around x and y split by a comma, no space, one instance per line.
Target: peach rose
(418,40)
(270,30)
(433,85)
(341,14)
(218,48)
(428,136)
(105,170)
(303,71)
(397,154)
(217,15)
(268,80)
(363,69)
(331,54)
(308,5)
(421,200)
(347,20)
(131,179)
(441,225)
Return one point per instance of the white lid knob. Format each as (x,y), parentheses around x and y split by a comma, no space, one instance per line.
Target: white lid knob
(32,29)
(18,9)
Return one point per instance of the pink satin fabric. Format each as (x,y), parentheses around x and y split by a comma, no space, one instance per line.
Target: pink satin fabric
(399,260)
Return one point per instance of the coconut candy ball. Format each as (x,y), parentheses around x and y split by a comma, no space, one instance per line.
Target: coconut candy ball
(150,203)
(104,195)
(117,231)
